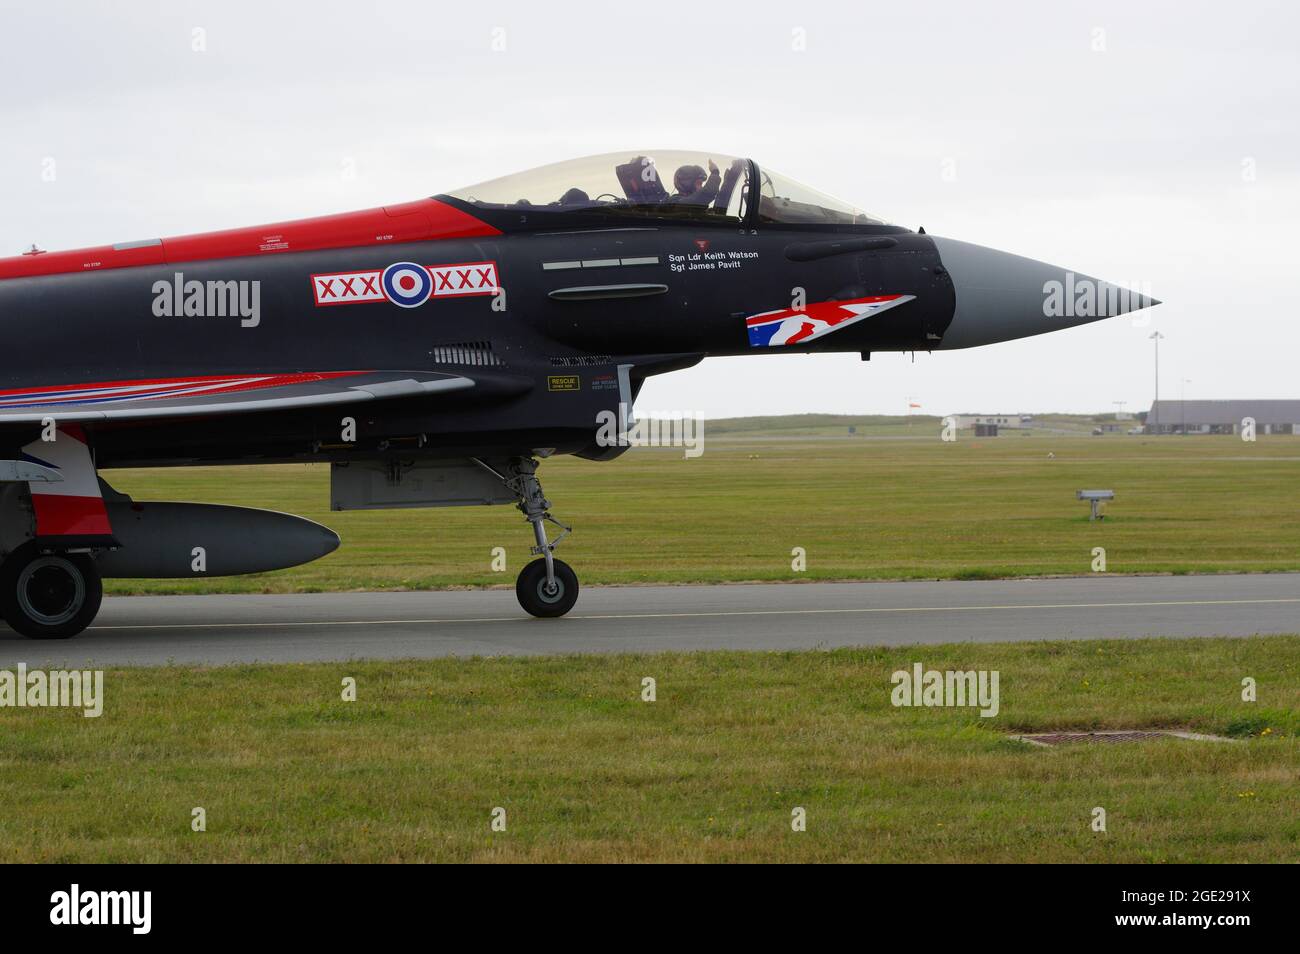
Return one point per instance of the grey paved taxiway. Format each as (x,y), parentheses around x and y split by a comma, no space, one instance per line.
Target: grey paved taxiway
(333,626)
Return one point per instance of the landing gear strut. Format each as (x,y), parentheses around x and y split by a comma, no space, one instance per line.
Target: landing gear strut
(546,587)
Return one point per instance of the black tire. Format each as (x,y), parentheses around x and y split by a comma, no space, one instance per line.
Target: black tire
(49,595)
(530,588)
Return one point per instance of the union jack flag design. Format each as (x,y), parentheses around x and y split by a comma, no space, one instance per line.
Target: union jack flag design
(792,326)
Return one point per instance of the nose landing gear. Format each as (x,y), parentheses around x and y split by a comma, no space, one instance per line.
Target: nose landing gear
(546,587)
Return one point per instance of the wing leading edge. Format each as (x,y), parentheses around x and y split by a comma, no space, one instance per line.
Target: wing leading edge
(161,398)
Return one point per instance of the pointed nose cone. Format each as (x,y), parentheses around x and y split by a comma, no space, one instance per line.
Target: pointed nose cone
(1002,296)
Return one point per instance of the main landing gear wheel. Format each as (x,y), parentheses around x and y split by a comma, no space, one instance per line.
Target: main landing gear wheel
(546,598)
(49,595)
(547,587)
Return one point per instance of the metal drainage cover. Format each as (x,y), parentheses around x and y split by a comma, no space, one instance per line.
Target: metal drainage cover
(1049,739)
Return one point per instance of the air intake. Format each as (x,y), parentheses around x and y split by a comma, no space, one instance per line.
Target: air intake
(581,360)
(465,352)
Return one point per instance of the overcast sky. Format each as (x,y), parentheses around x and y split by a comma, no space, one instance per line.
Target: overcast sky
(1136,142)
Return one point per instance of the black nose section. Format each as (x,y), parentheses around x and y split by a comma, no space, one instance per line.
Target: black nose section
(1001,296)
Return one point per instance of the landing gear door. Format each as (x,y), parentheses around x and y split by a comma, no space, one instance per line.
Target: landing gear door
(615,421)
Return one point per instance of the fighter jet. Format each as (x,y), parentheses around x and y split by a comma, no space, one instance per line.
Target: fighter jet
(433,353)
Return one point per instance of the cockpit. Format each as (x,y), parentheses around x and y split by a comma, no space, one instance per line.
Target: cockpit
(643,188)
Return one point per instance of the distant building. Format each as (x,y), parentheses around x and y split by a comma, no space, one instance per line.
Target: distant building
(1223,417)
(966,421)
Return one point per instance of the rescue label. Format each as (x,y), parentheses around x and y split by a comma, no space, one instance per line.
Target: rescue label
(563,382)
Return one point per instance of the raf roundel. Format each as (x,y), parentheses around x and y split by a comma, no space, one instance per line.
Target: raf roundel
(407,284)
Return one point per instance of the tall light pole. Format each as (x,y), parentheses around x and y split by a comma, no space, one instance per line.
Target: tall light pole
(1156,336)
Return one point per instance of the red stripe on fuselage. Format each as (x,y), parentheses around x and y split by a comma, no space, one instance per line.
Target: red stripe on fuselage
(251,381)
(424,220)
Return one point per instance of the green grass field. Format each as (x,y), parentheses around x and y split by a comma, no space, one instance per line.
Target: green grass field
(710,771)
(863,507)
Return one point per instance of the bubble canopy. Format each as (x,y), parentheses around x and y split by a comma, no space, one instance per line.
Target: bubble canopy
(645,187)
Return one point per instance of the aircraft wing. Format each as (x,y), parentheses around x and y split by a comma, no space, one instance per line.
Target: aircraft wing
(215,395)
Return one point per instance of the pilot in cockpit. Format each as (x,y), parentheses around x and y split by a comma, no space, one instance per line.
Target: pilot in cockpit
(694,187)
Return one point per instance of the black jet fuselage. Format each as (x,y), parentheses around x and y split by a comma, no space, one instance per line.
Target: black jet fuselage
(432,351)
(576,305)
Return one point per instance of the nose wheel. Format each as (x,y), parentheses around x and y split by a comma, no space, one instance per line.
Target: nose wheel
(546,587)
(543,596)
